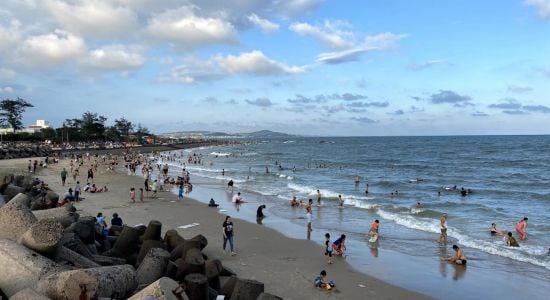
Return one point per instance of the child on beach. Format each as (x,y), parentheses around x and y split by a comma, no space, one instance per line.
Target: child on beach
(320,281)
(328,249)
(133,195)
(180,191)
(339,246)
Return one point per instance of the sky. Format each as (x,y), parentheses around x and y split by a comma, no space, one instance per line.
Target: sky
(312,67)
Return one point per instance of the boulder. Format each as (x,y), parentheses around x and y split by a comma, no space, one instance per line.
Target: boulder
(44,237)
(15,221)
(153,231)
(247,289)
(12,190)
(65,214)
(196,286)
(153,266)
(22,267)
(162,289)
(28,294)
(172,239)
(113,281)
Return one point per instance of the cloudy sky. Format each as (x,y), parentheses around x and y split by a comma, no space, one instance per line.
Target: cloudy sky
(322,67)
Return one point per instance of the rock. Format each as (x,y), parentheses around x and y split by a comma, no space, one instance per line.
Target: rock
(113,281)
(181,250)
(160,290)
(153,231)
(12,190)
(107,260)
(226,271)
(196,286)
(51,199)
(28,294)
(44,237)
(15,221)
(213,268)
(153,266)
(63,214)
(172,239)
(5,179)
(228,285)
(267,296)
(247,289)
(20,200)
(22,267)
(126,243)
(146,246)
(85,229)
(76,259)
(193,263)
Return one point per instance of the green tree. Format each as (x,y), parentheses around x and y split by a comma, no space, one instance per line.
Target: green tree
(93,125)
(124,128)
(12,112)
(140,132)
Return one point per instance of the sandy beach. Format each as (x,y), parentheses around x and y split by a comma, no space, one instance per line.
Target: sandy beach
(287,266)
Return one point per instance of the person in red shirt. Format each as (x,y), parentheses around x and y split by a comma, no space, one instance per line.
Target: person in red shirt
(374,228)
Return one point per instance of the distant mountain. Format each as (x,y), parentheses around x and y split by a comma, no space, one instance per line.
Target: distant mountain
(267,134)
(262,134)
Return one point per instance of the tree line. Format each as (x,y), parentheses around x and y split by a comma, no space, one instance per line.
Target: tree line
(90,127)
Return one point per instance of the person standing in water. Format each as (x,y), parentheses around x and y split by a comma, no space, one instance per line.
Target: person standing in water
(318,197)
(340,201)
(367,189)
(443,227)
(521,228)
(308,220)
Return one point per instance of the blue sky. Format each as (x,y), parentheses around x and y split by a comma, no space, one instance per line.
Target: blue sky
(320,67)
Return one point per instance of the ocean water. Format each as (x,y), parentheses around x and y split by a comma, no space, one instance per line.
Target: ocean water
(509,177)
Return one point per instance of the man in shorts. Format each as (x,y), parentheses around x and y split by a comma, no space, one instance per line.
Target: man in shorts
(459,258)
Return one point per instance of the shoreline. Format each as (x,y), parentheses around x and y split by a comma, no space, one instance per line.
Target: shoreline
(287,266)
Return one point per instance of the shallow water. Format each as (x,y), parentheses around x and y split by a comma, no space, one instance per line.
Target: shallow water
(509,176)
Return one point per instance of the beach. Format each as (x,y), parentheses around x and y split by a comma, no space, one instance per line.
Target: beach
(286,265)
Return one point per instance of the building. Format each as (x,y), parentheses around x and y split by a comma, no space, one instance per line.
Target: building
(39,125)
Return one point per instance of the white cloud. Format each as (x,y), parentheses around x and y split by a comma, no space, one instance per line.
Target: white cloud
(94,18)
(248,63)
(293,8)
(542,7)
(256,63)
(6,73)
(9,35)
(265,25)
(184,28)
(331,34)
(51,48)
(380,42)
(425,65)
(113,58)
(6,90)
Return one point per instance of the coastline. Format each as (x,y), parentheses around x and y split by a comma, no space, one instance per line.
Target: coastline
(287,266)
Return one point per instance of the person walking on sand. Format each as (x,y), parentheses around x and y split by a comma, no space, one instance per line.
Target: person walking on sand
(180,191)
(521,228)
(90,175)
(154,188)
(77,190)
(459,258)
(308,220)
(29,167)
(63,176)
(443,227)
(133,195)
(227,229)
(328,248)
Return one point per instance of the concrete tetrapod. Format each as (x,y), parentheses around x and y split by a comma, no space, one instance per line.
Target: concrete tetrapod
(247,289)
(112,281)
(153,266)
(15,221)
(161,289)
(65,214)
(44,237)
(22,267)
(28,294)
(153,231)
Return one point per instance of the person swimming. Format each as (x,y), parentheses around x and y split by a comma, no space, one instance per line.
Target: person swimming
(511,241)
(495,230)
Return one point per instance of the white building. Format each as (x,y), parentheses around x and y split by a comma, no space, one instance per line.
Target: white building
(40,124)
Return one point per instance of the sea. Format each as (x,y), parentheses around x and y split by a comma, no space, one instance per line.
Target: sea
(508,178)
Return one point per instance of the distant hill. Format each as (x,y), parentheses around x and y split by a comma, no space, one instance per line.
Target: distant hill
(262,134)
(268,134)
